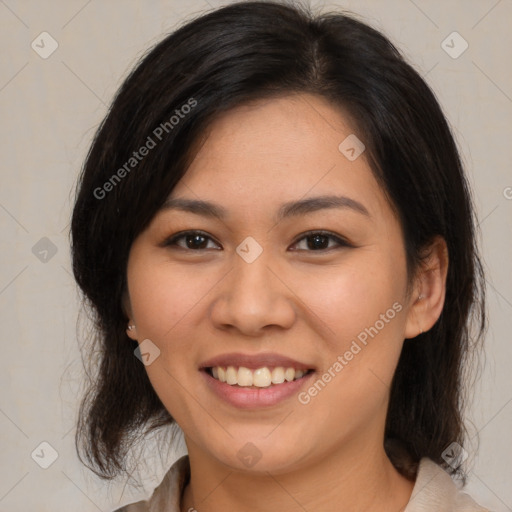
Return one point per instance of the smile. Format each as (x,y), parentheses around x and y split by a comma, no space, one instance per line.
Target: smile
(260,377)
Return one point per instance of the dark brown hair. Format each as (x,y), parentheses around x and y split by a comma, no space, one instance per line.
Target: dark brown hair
(225,58)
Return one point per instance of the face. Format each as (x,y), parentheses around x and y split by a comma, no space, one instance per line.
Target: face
(282,253)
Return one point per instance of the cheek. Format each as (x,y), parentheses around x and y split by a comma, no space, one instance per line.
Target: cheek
(164,300)
(350,297)
(364,313)
(361,306)
(162,296)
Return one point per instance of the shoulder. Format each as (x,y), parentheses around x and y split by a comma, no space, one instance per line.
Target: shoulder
(435,490)
(167,496)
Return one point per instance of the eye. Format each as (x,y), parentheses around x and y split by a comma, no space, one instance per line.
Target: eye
(319,241)
(192,240)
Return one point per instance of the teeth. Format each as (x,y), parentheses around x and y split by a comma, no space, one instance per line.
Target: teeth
(261,378)
(245,377)
(231,375)
(278,375)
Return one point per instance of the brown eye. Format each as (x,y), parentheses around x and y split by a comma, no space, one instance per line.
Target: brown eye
(319,241)
(196,241)
(192,240)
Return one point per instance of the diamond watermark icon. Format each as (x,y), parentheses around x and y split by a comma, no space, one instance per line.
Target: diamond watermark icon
(44,250)
(351,147)
(44,45)
(44,455)
(147,352)
(454,45)
(249,454)
(454,455)
(249,249)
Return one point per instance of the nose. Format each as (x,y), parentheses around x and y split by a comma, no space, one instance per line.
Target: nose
(252,299)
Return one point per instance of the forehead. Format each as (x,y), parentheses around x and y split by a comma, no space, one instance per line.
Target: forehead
(276,150)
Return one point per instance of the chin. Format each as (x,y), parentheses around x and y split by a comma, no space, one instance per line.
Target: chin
(259,456)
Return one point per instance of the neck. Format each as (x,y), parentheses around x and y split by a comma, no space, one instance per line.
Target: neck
(359,477)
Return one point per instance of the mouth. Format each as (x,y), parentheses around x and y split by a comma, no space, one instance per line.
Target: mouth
(253,381)
(264,377)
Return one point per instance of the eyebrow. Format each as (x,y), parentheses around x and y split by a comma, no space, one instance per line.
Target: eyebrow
(289,209)
(314,204)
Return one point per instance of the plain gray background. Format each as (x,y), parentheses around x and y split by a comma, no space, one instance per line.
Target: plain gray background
(50,108)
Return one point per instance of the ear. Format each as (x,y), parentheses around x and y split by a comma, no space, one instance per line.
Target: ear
(127,308)
(427,300)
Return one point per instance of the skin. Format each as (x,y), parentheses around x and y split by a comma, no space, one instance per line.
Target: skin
(308,304)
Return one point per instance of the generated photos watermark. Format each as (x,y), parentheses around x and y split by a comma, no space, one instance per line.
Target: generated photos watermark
(151,142)
(355,348)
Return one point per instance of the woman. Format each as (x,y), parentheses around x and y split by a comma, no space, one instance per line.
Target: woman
(275,234)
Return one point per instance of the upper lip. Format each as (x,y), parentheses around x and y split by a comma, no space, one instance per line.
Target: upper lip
(255,361)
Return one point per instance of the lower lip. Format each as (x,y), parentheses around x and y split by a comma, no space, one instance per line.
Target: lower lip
(250,398)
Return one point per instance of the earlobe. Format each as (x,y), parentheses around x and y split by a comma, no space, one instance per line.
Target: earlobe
(426,307)
(131,331)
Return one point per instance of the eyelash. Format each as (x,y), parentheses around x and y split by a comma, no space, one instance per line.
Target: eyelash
(172,241)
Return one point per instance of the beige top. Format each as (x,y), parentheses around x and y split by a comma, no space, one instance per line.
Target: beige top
(434,490)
